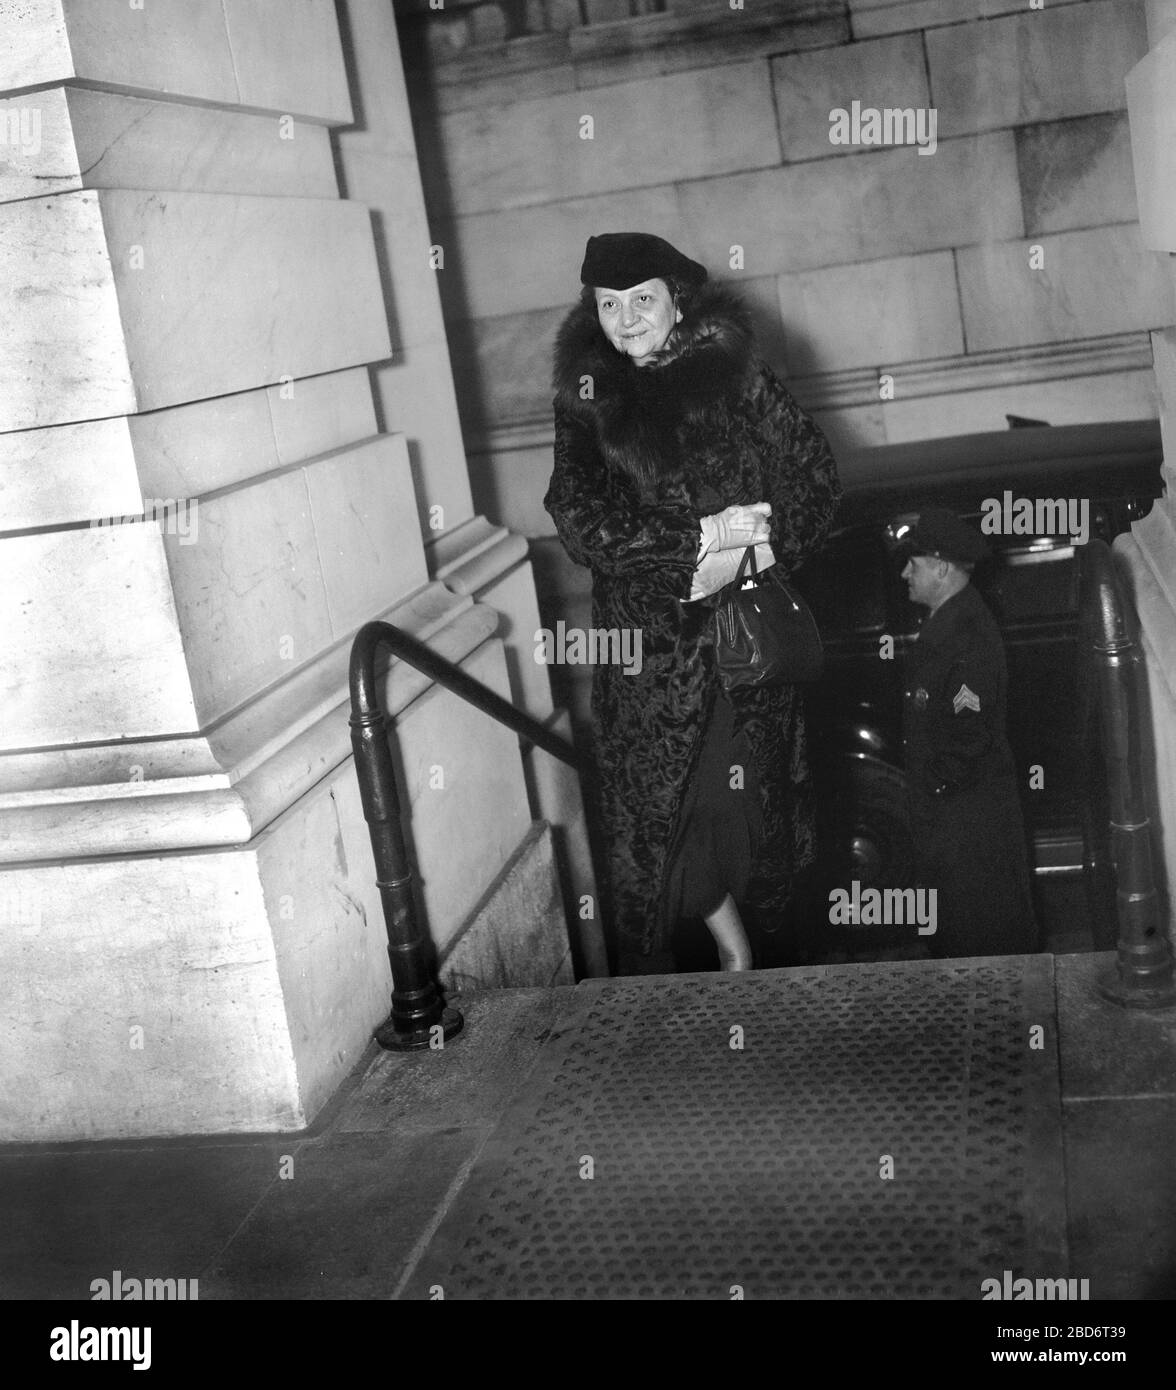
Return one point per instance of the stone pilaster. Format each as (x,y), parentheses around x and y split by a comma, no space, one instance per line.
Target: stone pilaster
(202,501)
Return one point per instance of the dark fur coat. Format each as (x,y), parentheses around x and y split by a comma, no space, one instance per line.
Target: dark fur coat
(637,464)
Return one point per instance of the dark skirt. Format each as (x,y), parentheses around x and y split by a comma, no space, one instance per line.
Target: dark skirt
(720,824)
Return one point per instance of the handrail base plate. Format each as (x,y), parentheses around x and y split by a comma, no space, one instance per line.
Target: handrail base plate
(391,1039)
(1160,994)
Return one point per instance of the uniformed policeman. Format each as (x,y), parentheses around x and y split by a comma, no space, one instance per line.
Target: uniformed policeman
(966,820)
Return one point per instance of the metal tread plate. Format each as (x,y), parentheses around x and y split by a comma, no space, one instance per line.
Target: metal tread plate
(651,1158)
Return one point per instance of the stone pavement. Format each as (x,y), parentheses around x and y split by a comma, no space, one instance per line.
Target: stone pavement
(857,1131)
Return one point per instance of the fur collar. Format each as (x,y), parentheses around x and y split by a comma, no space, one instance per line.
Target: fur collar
(637,412)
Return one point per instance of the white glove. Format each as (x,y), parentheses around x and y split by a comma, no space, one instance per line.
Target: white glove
(734,528)
(714,572)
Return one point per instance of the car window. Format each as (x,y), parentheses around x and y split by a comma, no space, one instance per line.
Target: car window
(1033,581)
(846,583)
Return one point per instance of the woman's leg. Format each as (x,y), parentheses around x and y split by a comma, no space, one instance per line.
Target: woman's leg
(726,926)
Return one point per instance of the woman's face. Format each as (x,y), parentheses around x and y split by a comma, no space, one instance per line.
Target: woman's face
(638,321)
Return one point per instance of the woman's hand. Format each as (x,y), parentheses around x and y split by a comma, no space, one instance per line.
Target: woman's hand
(736,527)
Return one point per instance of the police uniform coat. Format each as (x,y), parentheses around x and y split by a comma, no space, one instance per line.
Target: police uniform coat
(641,455)
(966,819)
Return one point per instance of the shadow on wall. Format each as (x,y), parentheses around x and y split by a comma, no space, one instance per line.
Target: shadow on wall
(435,171)
(564,593)
(360,123)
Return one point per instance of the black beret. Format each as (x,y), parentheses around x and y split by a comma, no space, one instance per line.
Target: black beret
(942,534)
(617,260)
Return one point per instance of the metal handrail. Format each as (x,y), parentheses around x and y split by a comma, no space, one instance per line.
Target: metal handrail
(1143,975)
(419,1017)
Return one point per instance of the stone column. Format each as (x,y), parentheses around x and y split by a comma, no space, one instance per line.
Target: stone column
(202,500)
(1148,553)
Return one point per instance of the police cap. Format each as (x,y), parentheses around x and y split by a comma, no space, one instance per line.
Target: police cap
(942,534)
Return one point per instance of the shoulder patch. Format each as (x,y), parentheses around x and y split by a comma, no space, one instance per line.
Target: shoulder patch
(965,699)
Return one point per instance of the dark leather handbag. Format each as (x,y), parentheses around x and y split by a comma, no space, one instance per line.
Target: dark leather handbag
(765,634)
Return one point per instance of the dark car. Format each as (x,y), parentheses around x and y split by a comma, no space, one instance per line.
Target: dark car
(1031,583)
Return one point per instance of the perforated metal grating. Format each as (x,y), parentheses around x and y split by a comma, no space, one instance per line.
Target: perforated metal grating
(762,1168)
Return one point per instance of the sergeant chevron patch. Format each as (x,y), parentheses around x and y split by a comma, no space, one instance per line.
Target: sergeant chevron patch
(965,699)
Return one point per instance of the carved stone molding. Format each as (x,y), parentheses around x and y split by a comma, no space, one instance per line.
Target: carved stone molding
(1124,352)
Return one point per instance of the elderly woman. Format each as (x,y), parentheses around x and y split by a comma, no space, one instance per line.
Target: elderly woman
(676,448)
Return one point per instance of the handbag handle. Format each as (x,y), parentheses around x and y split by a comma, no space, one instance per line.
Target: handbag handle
(748,558)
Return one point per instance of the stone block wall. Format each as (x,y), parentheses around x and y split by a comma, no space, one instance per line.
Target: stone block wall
(710,125)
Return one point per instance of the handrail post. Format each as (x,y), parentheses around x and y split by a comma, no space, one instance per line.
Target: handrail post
(417,1006)
(1143,975)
